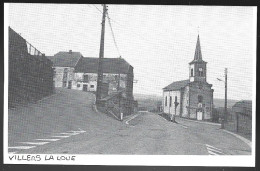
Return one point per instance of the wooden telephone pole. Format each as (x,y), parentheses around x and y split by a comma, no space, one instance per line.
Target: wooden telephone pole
(225,117)
(101,56)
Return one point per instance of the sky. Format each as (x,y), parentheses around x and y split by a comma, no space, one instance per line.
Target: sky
(157,40)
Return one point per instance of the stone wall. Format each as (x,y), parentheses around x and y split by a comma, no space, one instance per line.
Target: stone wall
(204,90)
(61,79)
(91,82)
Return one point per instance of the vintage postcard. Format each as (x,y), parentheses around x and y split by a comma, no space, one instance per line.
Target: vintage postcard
(106,84)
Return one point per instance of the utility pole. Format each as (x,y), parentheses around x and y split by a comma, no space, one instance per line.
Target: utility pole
(225,117)
(101,56)
(118,90)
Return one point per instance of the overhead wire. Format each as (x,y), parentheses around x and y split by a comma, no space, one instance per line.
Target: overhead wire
(113,35)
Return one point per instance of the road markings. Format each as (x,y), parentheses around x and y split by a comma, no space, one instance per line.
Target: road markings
(69,134)
(60,136)
(35,143)
(127,121)
(47,139)
(21,147)
(214,151)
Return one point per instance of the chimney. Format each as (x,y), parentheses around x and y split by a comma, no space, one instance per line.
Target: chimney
(70,51)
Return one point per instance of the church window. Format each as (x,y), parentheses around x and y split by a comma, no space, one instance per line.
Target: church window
(170,101)
(200,72)
(191,72)
(200,98)
(166,101)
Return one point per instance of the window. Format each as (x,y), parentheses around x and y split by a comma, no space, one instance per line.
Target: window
(166,101)
(170,101)
(200,72)
(200,98)
(91,86)
(85,78)
(175,98)
(78,85)
(191,72)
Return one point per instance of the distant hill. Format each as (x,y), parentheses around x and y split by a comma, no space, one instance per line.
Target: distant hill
(151,101)
(149,96)
(221,102)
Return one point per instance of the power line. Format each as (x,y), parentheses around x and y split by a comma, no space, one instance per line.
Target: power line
(97,8)
(113,35)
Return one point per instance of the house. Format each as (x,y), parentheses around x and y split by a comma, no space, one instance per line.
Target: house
(242,116)
(117,83)
(63,65)
(191,98)
(114,70)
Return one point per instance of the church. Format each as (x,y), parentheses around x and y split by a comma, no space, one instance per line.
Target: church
(192,98)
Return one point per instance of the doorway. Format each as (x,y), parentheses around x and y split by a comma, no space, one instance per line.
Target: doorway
(85,87)
(69,84)
(199,115)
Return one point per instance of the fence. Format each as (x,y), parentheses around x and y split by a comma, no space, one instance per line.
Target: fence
(30,72)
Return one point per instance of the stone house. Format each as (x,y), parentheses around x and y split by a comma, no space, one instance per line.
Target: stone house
(114,70)
(192,98)
(63,65)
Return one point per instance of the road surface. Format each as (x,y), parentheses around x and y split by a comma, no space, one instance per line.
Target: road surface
(65,123)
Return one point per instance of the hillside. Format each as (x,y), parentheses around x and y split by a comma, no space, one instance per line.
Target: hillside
(151,101)
(221,102)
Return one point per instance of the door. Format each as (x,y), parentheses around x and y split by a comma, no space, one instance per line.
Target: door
(199,115)
(69,84)
(85,87)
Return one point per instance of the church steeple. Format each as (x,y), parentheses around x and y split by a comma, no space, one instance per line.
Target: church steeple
(197,55)
(198,66)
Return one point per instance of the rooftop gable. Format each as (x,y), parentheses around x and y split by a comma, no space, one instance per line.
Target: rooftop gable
(65,59)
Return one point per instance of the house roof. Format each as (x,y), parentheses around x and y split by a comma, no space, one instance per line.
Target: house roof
(198,54)
(110,65)
(65,59)
(243,106)
(176,85)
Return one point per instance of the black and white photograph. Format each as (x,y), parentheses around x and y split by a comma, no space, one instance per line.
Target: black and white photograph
(122,84)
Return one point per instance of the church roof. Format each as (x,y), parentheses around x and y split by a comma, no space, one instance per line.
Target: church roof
(198,54)
(177,85)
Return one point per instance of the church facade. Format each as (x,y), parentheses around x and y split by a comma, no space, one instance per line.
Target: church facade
(191,98)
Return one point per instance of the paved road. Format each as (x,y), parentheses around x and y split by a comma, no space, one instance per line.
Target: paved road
(66,123)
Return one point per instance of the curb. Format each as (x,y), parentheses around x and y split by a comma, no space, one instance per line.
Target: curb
(131,118)
(202,122)
(248,142)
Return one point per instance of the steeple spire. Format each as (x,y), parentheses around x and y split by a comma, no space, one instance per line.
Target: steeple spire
(198,55)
